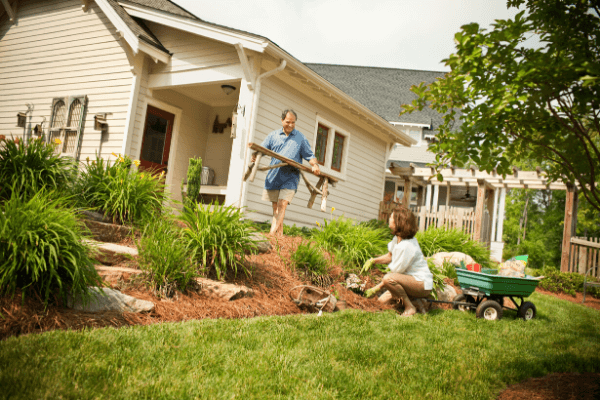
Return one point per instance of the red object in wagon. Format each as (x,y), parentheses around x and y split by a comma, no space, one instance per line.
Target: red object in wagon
(474,267)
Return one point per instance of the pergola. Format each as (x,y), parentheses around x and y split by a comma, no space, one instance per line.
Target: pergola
(492,186)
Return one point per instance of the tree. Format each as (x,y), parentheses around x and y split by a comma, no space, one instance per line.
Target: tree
(523,103)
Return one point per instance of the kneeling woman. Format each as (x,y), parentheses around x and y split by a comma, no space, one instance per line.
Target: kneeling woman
(409,274)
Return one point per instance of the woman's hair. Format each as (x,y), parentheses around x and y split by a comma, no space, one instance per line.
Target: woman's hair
(406,223)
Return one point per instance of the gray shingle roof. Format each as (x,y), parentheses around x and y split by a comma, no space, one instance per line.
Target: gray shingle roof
(382,90)
(137,27)
(164,5)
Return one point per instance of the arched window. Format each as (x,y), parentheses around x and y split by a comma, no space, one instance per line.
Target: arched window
(66,130)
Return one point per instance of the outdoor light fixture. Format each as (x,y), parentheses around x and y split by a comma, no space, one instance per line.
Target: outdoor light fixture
(228,89)
(21,119)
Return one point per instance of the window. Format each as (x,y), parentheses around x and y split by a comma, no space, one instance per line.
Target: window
(321,146)
(338,150)
(416,134)
(331,148)
(66,124)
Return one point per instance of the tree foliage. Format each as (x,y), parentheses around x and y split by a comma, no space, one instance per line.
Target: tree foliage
(516,102)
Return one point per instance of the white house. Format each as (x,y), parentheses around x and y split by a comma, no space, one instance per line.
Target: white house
(148,79)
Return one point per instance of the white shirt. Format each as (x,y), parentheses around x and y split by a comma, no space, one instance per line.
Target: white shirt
(408,259)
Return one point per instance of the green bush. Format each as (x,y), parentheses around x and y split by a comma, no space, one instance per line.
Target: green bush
(217,237)
(309,258)
(566,282)
(435,240)
(194,180)
(162,252)
(438,277)
(42,248)
(123,194)
(352,244)
(28,167)
(297,231)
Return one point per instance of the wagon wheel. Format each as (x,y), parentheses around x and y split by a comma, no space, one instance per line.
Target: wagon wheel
(527,311)
(489,310)
(462,298)
(498,299)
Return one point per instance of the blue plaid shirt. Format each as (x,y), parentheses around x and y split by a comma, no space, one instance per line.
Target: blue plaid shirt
(294,146)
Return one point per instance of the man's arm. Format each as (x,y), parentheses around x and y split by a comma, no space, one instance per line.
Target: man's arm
(315,166)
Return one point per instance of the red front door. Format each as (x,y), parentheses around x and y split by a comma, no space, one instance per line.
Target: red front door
(156,141)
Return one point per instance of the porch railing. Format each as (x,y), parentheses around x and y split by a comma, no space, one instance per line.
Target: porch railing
(585,254)
(450,217)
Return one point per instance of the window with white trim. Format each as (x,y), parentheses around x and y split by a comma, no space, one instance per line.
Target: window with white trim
(331,147)
(66,124)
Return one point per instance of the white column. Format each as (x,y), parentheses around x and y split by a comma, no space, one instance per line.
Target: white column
(501,215)
(494,216)
(436,196)
(428,198)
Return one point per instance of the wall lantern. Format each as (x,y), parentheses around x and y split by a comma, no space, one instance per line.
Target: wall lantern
(21,119)
(227,89)
(100,123)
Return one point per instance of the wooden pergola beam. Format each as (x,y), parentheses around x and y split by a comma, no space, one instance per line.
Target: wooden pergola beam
(569,227)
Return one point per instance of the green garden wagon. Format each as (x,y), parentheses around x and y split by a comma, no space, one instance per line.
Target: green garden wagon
(486,291)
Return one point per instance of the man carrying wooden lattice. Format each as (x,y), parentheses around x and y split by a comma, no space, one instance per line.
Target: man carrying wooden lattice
(281,184)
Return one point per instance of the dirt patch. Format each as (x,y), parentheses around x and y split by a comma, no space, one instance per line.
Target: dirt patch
(563,386)
(590,301)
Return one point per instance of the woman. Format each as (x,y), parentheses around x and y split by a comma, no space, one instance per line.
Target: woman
(409,274)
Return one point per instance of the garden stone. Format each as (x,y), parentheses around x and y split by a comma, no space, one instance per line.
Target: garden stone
(112,300)
(263,244)
(95,216)
(454,257)
(448,294)
(221,290)
(104,232)
(111,254)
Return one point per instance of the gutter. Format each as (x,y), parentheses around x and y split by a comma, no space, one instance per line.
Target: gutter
(255,101)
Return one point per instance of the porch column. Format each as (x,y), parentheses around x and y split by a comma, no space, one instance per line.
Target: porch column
(569,227)
(235,177)
(407,192)
(501,215)
(448,186)
(419,196)
(428,198)
(436,194)
(494,216)
(479,209)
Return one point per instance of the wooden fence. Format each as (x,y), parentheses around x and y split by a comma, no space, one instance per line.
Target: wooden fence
(585,254)
(450,217)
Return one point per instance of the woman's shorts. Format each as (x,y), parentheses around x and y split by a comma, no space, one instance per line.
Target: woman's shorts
(275,195)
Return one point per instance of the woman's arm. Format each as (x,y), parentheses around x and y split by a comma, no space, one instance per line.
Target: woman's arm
(384,259)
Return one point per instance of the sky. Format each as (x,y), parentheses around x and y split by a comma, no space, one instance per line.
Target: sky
(408,34)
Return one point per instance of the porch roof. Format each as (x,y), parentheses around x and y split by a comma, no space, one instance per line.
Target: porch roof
(472,176)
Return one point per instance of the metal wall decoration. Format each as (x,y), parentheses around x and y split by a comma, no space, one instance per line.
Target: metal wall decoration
(220,127)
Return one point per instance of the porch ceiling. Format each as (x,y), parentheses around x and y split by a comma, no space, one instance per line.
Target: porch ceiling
(211,94)
(470,177)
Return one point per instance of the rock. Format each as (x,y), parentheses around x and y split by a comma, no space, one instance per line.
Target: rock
(448,294)
(111,254)
(454,257)
(113,274)
(104,232)
(111,300)
(221,290)
(263,244)
(95,216)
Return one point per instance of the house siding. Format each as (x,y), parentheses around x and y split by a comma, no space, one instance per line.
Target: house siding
(41,60)
(357,197)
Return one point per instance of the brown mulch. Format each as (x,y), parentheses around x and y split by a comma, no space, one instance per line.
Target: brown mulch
(272,278)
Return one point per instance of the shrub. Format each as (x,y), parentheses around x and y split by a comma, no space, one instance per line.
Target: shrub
(217,238)
(29,167)
(42,249)
(566,282)
(194,180)
(352,244)
(163,254)
(435,240)
(438,278)
(309,258)
(296,231)
(123,194)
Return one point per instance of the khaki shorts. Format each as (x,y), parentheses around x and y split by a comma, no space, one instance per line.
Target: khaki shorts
(275,195)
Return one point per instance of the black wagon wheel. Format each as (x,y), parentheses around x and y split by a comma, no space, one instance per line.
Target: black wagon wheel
(462,298)
(498,299)
(527,311)
(489,310)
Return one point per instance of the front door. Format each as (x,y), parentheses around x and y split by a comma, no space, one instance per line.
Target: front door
(156,141)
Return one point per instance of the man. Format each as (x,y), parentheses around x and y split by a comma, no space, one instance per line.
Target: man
(281,183)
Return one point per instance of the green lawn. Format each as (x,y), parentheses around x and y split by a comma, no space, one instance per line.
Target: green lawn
(350,355)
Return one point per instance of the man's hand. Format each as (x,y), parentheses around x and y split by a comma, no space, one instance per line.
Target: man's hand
(316,170)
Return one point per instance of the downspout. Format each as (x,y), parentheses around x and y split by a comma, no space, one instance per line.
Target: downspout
(255,101)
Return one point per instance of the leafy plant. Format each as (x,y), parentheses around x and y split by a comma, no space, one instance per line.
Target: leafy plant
(123,194)
(42,248)
(566,282)
(435,240)
(309,258)
(27,167)
(194,179)
(438,278)
(217,237)
(162,252)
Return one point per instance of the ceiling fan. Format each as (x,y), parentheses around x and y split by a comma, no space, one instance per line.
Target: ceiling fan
(465,197)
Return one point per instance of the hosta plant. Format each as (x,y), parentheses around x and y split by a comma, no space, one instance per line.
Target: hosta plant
(435,240)
(42,249)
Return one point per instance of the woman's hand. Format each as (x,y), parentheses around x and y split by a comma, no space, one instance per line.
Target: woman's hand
(367,266)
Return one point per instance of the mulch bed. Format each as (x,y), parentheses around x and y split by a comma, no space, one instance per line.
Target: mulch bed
(272,278)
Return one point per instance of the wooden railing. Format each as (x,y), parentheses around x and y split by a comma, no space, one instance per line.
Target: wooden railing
(451,217)
(585,254)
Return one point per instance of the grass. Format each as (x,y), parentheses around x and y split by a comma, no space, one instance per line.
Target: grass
(348,355)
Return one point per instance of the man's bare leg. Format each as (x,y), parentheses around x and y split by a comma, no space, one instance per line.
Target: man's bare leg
(278,214)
